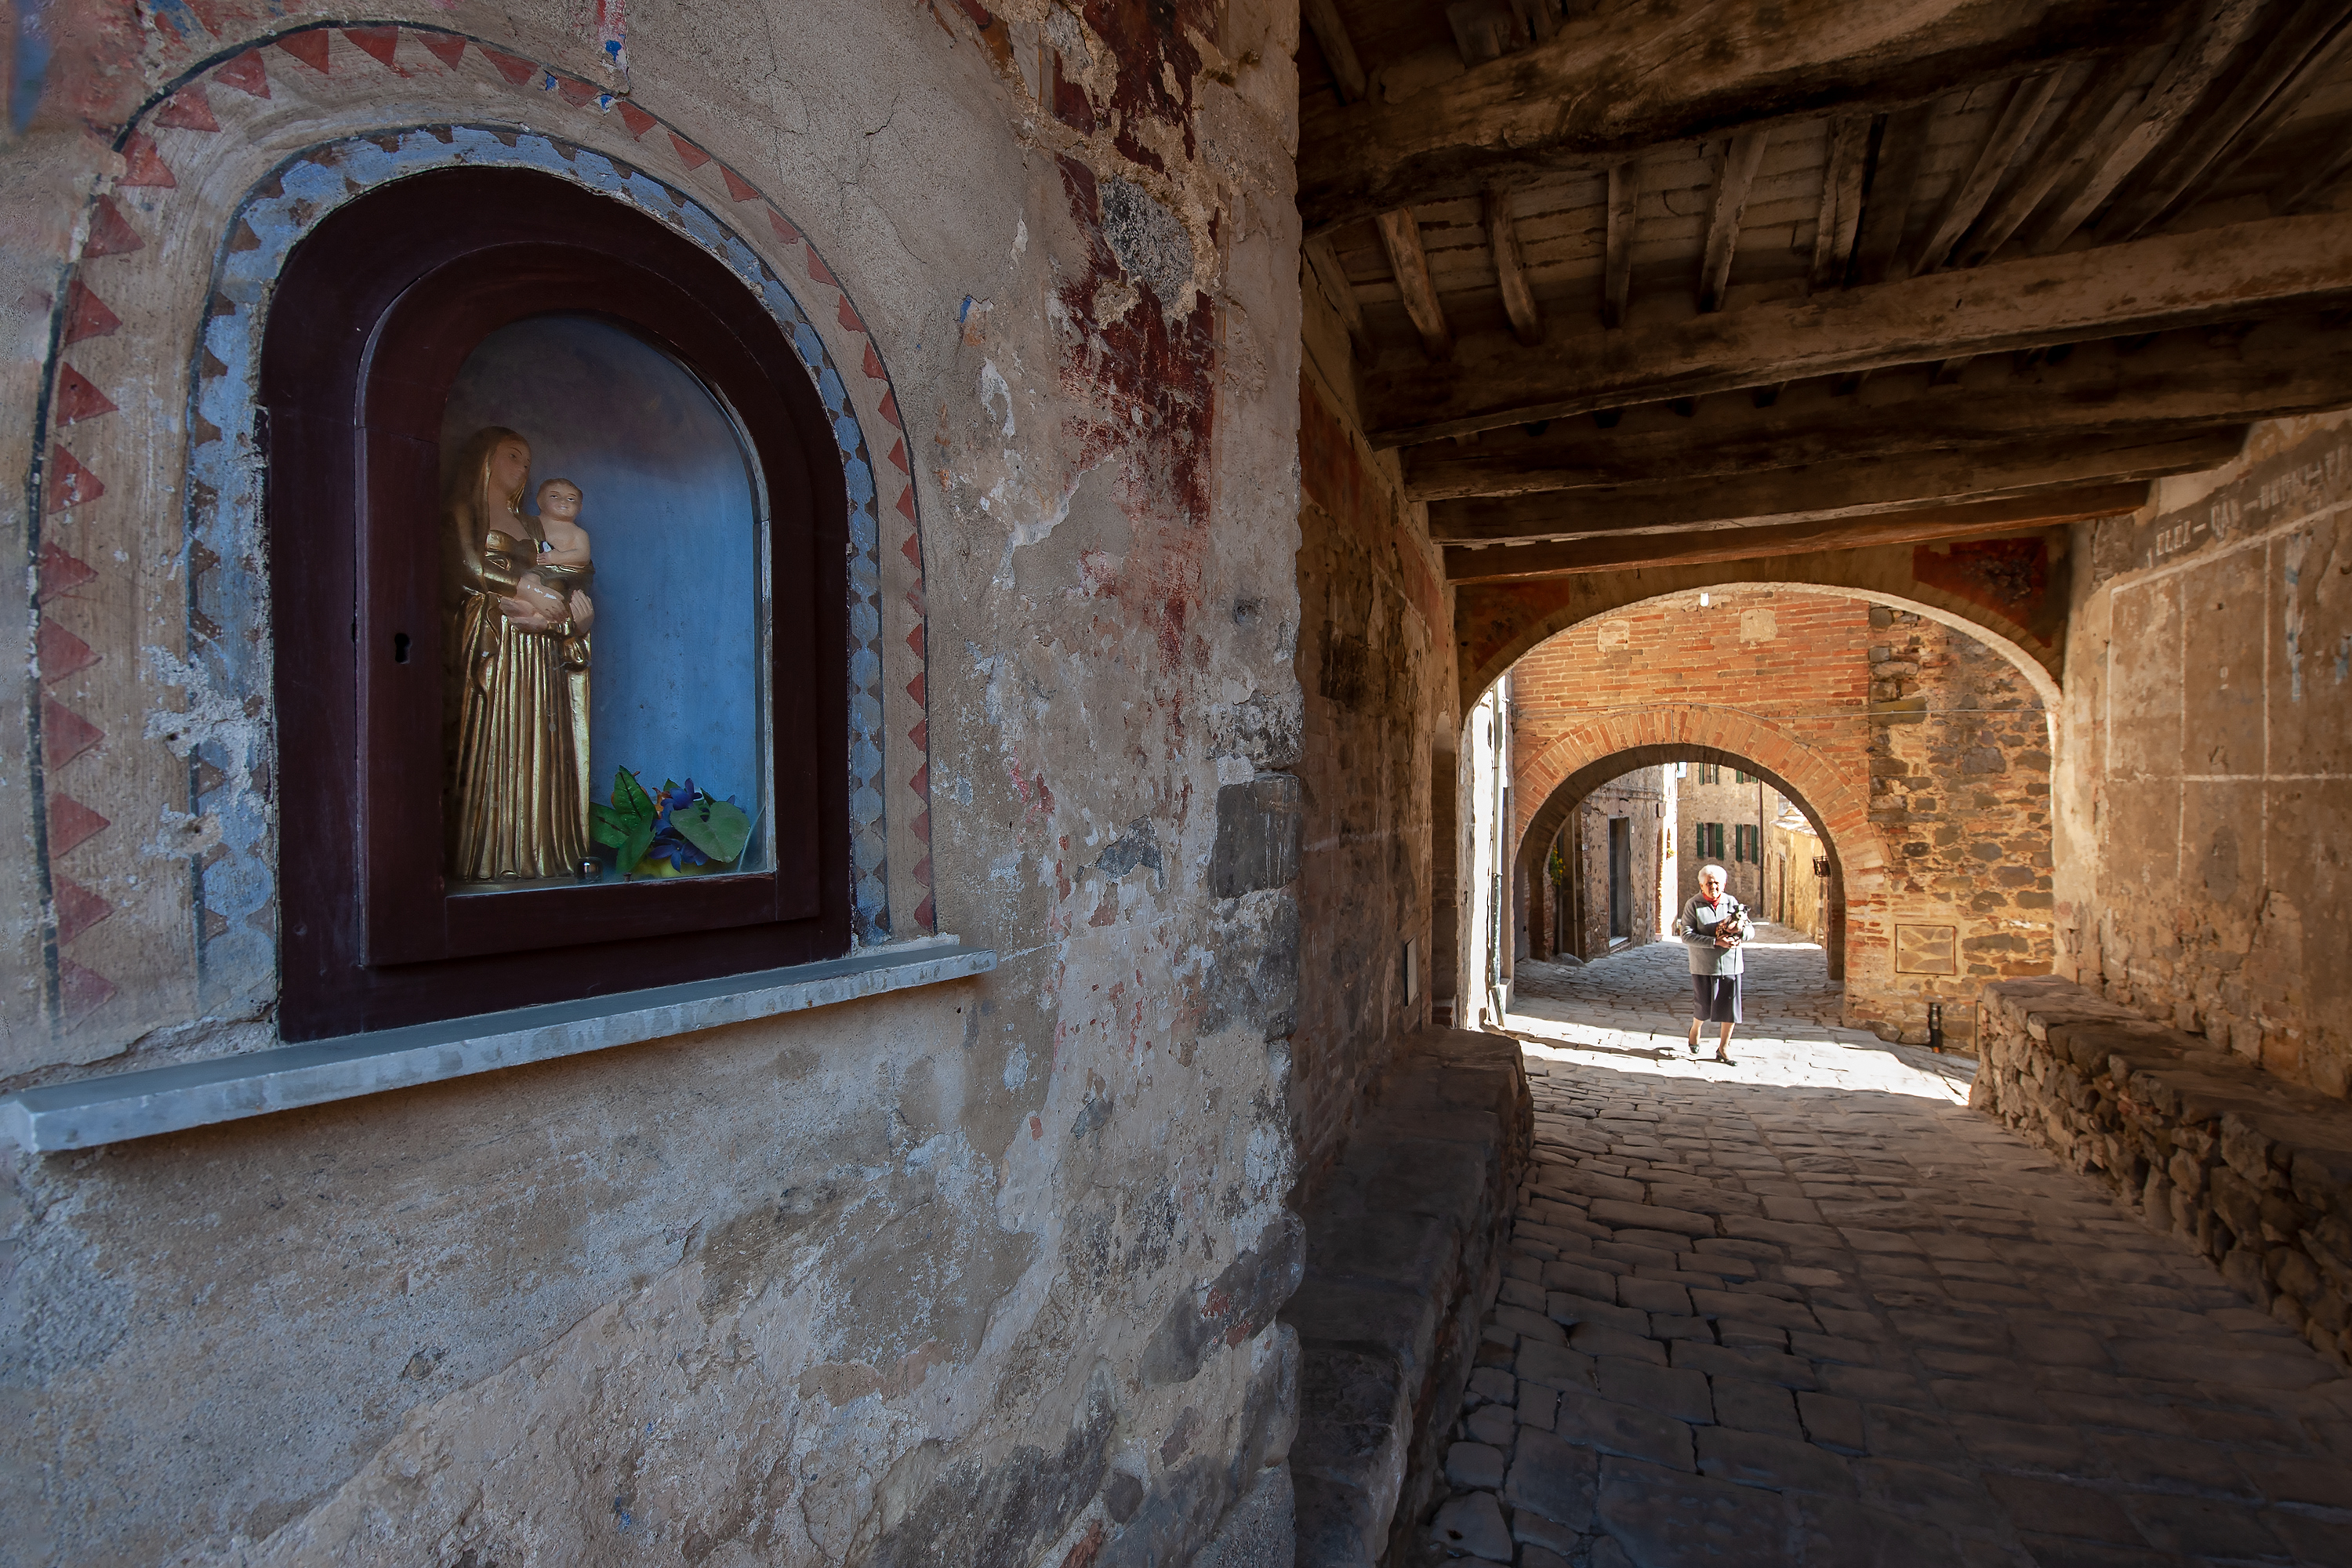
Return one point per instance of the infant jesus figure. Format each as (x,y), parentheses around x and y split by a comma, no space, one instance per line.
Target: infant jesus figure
(561,571)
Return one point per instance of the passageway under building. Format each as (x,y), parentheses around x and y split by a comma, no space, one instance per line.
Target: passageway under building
(1067,957)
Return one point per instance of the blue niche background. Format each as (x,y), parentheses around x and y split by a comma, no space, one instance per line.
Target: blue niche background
(675,687)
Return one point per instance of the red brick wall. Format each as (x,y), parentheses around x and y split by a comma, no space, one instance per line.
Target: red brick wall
(1920,750)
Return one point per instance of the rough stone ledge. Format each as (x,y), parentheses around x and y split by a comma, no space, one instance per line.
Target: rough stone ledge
(2254,1173)
(107,1109)
(1404,1260)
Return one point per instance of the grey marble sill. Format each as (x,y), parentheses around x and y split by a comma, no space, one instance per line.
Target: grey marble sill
(107,1110)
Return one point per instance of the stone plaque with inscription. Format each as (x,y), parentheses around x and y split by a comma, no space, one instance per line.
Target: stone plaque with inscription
(1926,950)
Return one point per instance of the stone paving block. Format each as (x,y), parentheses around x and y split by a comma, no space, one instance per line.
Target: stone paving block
(2059,1507)
(1833,1421)
(1469,1465)
(1616,1428)
(1681,1394)
(1494,1424)
(1662,1516)
(1556,1365)
(1490,1384)
(1533,1528)
(1537,1402)
(1760,1460)
(1567,1309)
(1750,1307)
(1635,1255)
(1594,1184)
(1472,1524)
(1764,1365)
(1577,1280)
(1833,1531)
(2171,1464)
(1528,1325)
(1592,1339)
(2229,1365)
(1666,1326)
(1653,1296)
(1672,1243)
(2068,1551)
(1891,1431)
(1760,1336)
(2019,1445)
(1753,1406)
(1873,1385)
(1525,1293)
(1924,1491)
(1554,1478)
(2322,1542)
(1851,1324)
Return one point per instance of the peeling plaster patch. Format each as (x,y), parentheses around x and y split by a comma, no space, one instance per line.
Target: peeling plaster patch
(993,386)
(1615,634)
(2297,546)
(1757,626)
(1152,243)
(1016,1068)
(1026,533)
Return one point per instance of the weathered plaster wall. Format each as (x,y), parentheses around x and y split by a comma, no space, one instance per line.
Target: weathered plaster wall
(974,1275)
(1377,678)
(2209,774)
(1932,784)
(1581,921)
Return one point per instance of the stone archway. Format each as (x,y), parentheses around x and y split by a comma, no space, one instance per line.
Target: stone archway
(1581,761)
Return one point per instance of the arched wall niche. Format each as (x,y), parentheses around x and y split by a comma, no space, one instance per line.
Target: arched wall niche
(153,629)
(1552,813)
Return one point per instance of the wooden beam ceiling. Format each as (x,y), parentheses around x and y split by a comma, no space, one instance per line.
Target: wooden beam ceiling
(1617,80)
(2175,384)
(1974,519)
(1820,491)
(2265,267)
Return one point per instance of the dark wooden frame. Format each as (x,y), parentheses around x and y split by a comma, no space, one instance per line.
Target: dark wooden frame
(373,318)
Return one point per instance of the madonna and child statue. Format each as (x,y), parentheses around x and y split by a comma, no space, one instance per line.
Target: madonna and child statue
(515,710)
(520,614)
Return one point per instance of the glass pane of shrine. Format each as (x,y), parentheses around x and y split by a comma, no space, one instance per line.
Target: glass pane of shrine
(606,627)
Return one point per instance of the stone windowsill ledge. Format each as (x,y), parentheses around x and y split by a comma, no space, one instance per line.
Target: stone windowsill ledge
(107,1109)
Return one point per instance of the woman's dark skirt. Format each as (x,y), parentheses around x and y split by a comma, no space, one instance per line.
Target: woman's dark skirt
(1715,998)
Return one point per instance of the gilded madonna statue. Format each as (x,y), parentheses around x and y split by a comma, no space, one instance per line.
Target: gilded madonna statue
(518,663)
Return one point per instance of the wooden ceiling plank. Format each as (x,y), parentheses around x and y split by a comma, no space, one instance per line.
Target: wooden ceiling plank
(2126,387)
(1886,202)
(1818,491)
(2027,100)
(1840,220)
(2237,271)
(1617,278)
(2300,189)
(1614,81)
(1400,236)
(1734,176)
(2099,106)
(1322,18)
(1323,261)
(1510,268)
(1976,520)
(2194,66)
(2307,48)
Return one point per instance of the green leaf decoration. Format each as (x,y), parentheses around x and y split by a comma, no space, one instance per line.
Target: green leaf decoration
(718,830)
(630,802)
(634,849)
(605,826)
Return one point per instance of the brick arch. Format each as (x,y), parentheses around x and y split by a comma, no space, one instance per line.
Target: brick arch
(1607,744)
(2008,594)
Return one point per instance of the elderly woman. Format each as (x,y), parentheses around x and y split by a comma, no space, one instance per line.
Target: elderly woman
(1713,925)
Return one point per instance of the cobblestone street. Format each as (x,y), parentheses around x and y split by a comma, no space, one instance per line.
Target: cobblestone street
(1810,1309)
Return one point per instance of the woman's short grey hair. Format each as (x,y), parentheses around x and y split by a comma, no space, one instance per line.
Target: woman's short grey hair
(1719,870)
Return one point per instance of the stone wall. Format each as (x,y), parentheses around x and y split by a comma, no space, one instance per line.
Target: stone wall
(2207,775)
(1581,923)
(1918,749)
(1378,673)
(1723,799)
(2251,1172)
(983,1273)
